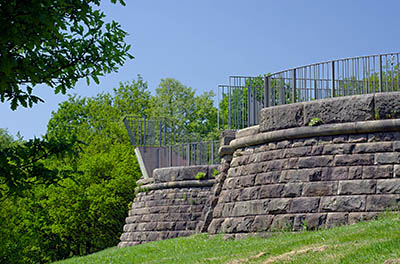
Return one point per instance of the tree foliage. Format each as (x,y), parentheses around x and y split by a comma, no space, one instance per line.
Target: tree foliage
(55,43)
(189,115)
(76,204)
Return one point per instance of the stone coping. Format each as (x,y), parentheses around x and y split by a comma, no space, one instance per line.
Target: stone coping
(178,184)
(312,131)
(182,173)
(343,109)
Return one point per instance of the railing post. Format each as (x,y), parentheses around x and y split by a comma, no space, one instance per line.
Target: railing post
(212,153)
(380,74)
(266,91)
(165,132)
(188,154)
(294,86)
(160,127)
(333,78)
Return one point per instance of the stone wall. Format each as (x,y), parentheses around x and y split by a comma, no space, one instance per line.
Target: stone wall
(285,174)
(168,205)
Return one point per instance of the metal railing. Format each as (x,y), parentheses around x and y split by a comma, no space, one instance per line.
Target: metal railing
(243,98)
(240,102)
(351,76)
(191,153)
(159,145)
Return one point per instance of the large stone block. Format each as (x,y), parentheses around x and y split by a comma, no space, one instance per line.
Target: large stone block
(388,186)
(343,203)
(271,191)
(267,177)
(283,222)
(297,152)
(314,221)
(281,117)
(278,205)
(320,188)
(373,147)
(335,173)
(302,175)
(336,219)
(292,190)
(382,202)
(354,159)
(387,158)
(334,149)
(377,172)
(262,223)
(315,161)
(340,109)
(387,105)
(304,205)
(357,187)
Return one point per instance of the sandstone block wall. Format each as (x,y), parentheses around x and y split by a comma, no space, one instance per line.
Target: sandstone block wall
(169,205)
(287,175)
(282,174)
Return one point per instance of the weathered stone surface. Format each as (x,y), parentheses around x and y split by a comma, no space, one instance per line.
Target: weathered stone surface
(387,105)
(387,158)
(336,219)
(387,186)
(382,202)
(357,217)
(357,187)
(251,193)
(301,175)
(314,221)
(271,191)
(355,172)
(358,138)
(267,177)
(247,181)
(304,205)
(377,172)
(320,188)
(215,226)
(262,223)
(227,136)
(315,161)
(343,203)
(283,222)
(241,209)
(340,109)
(334,149)
(373,147)
(292,190)
(278,205)
(297,152)
(354,159)
(170,212)
(323,178)
(280,117)
(335,173)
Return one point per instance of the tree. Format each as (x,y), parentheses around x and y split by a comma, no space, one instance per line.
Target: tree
(186,114)
(5,139)
(57,43)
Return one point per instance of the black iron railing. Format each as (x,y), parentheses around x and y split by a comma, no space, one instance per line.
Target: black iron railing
(241,100)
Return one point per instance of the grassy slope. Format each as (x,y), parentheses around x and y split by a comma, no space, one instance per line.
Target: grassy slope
(365,242)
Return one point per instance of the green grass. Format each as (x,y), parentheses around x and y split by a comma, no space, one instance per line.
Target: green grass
(365,242)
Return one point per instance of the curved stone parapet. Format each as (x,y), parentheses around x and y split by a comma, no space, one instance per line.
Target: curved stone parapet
(288,175)
(169,205)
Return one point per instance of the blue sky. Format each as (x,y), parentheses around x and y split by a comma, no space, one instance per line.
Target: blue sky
(201,43)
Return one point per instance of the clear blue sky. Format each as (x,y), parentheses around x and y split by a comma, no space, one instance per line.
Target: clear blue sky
(201,43)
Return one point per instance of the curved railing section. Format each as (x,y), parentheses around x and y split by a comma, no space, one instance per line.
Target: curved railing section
(241,100)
